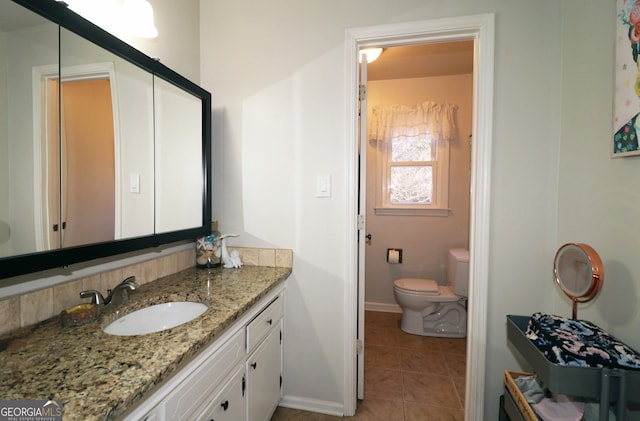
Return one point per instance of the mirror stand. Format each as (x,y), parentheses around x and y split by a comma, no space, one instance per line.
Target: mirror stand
(579,273)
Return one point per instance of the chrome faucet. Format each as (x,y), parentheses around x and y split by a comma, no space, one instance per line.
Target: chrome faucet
(117,295)
(95,295)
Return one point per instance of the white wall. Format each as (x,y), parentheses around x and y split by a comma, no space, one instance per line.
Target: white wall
(424,240)
(598,201)
(277,73)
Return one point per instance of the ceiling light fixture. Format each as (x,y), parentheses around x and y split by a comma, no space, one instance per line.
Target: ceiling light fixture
(133,17)
(371,54)
(139,18)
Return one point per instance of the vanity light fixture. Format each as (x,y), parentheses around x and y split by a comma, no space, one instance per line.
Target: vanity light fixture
(139,18)
(372,54)
(133,17)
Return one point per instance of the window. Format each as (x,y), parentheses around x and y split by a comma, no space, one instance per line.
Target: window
(414,158)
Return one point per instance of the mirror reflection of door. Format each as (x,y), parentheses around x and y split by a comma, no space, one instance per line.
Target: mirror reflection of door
(88,163)
(51,171)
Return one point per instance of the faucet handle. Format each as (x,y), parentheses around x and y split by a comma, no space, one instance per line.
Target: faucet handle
(131,280)
(119,294)
(96,296)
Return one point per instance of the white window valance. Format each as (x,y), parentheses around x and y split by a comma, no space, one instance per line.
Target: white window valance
(431,119)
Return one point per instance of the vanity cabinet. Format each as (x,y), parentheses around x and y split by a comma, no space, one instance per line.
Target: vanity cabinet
(238,377)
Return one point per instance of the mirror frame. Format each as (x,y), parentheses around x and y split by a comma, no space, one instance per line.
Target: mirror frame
(596,272)
(58,13)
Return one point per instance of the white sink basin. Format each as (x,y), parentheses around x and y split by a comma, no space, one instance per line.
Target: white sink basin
(155,318)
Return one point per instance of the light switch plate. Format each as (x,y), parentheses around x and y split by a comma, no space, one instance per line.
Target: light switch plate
(134,183)
(323,185)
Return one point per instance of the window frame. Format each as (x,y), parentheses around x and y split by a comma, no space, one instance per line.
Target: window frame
(439,205)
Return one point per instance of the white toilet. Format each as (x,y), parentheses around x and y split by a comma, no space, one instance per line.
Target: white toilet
(432,310)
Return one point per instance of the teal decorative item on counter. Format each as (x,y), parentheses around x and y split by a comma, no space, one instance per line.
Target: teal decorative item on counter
(208,251)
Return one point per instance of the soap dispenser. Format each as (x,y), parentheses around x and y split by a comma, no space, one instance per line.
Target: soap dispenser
(208,252)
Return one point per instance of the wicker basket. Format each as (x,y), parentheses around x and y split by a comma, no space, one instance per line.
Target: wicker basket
(518,397)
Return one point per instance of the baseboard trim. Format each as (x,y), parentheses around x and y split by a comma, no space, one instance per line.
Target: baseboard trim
(313,405)
(384,307)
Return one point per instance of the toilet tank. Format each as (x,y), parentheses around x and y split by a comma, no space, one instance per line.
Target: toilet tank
(459,271)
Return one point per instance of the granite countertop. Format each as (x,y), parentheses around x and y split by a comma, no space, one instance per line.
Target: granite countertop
(99,376)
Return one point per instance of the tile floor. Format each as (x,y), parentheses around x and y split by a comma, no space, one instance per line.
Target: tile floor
(407,377)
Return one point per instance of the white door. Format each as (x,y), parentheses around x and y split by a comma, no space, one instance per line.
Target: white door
(363,236)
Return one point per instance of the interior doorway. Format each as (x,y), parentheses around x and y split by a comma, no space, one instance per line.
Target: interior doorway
(76,155)
(404,79)
(480,30)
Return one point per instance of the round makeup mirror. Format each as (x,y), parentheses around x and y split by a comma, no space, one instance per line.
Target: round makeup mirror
(578,272)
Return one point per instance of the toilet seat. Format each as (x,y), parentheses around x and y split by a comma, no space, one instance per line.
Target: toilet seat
(427,288)
(418,286)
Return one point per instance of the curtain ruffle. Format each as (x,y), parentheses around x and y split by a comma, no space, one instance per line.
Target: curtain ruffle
(431,119)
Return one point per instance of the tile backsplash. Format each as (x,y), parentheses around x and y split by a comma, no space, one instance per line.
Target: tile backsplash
(36,306)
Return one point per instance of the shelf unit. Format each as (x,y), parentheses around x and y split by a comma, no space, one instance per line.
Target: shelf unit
(604,385)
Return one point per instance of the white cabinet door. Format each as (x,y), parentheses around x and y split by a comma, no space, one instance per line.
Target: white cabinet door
(229,403)
(264,371)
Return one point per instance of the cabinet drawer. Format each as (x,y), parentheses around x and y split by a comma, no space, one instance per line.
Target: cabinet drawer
(259,327)
(191,394)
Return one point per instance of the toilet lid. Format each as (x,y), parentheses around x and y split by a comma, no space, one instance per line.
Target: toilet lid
(422,286)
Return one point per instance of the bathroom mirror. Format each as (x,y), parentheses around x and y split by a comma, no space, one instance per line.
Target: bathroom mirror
(103,150)
(579,273)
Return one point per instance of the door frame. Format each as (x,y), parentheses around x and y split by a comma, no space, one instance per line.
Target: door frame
(481,29)
(40,79)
